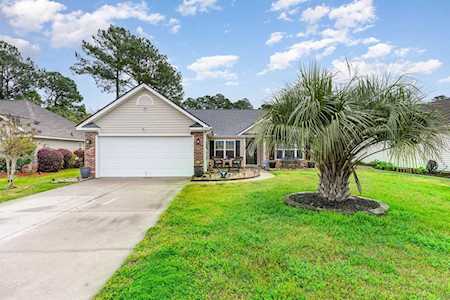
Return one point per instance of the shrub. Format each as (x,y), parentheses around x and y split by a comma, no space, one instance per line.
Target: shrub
(19,164)
(49,160)
(384,165)
(421,170)
(432,166)
(67,156)
(79,158)
(23,161)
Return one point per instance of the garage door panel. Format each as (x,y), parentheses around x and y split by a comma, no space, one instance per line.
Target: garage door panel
(145,156)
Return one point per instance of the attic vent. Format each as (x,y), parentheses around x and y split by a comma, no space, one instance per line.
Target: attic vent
(144,100)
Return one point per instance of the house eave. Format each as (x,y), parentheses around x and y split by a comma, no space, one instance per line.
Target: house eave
(46,137)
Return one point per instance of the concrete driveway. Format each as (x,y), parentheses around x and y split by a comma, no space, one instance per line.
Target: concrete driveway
(65,243)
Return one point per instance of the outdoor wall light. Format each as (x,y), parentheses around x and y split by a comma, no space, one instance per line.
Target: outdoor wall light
(197,141)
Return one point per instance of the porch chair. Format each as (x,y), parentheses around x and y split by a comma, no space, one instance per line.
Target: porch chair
(237,163)
(218,162)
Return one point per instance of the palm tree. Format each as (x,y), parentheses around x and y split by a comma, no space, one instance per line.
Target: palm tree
(342,124)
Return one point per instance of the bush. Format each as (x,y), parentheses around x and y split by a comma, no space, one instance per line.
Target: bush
(432,166)
(49,160)
(421,170)
(67,156)
(19,164)
(23,161)
(384,165)
(79,158)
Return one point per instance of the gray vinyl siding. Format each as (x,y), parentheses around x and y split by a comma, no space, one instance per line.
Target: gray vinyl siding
(158,118)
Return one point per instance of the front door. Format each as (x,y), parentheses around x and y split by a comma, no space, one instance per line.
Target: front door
(251,152)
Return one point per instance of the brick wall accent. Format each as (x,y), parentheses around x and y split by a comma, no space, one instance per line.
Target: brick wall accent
(89,151)
(198,149)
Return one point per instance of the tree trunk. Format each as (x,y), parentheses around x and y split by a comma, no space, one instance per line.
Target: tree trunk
(117,84)
(10,170)
(334,183)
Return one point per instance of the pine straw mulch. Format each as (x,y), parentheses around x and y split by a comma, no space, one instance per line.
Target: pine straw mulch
(313,201)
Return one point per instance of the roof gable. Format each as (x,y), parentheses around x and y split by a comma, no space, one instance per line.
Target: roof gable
(87,124)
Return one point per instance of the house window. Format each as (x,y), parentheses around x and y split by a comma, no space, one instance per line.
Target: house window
(225,148)
(289,153)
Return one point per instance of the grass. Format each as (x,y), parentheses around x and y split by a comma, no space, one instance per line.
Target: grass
(28,185)
(239,241)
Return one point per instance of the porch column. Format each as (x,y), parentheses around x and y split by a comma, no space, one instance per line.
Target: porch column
(199,146)
(90,151)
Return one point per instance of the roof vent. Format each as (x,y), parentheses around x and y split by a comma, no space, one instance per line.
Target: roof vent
(144,100)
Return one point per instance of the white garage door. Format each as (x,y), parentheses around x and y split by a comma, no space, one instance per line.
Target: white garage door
(145,156)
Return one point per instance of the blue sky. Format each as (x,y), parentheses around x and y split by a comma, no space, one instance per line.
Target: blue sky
(245,48)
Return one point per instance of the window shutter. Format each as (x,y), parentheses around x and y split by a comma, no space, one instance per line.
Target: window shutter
(238,148)
(211,148)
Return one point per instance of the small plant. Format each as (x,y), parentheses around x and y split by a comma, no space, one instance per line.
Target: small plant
(432,166)
(384,165)
(421,170)
(49,160)
(79,158)
(23,161)
(19,163)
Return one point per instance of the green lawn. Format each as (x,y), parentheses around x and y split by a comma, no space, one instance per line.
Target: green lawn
(239,241)
(32,184)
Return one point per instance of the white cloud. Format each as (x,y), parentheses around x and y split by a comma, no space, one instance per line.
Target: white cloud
(192,7)
(337,35)
(378,50)
(356,15)
(362,67)
(424,67)
(347,19)
(174,25)
(285,4)
(282,60)
(327,52)
(30,15)
(140,31)
(213,67)
(444,80)
(275,38)
(370,40)
(313,15)
(27,48)
(69,29)
(402,52)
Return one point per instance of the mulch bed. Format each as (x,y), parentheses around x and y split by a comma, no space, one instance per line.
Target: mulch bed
(313,201)
(21,174)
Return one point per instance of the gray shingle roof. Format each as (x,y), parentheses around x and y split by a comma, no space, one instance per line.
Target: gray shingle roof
(227,122)
(443,106)
(45,122)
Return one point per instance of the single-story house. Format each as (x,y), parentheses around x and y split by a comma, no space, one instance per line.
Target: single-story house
(144,134)
(51,130)
(443,160)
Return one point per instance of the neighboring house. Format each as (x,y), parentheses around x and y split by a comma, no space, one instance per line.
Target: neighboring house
(51,130)
(143,134)
(443,106)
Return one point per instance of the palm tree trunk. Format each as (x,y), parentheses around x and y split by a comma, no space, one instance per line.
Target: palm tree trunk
(334,183)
